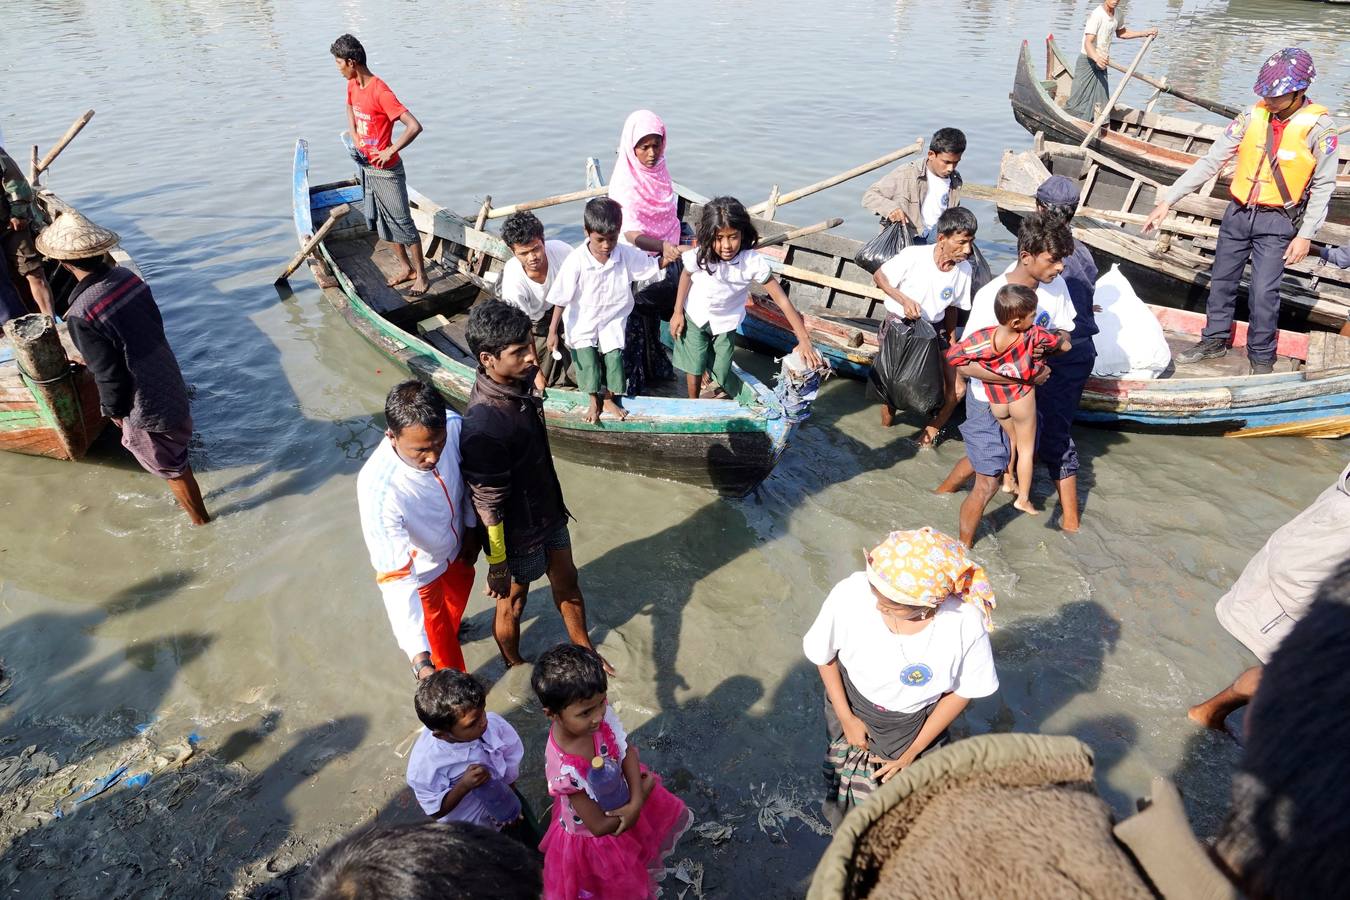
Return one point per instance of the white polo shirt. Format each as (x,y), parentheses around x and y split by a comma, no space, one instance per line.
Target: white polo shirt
(915,272)
(526,294)
(1054,312)
(717,298)
(596,298)
(955,648)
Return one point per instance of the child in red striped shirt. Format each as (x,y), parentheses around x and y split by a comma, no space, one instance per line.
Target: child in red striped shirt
(1009,350)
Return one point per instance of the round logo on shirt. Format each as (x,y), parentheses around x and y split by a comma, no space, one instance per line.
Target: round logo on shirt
(1043,318)
(947,293)
(916,675)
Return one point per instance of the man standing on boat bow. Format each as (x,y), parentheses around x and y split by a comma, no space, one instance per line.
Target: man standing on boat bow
(1286,150)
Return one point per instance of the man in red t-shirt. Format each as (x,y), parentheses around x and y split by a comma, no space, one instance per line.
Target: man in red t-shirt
(372,110)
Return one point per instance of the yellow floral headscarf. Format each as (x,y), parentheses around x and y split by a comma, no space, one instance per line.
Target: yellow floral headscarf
(925,567)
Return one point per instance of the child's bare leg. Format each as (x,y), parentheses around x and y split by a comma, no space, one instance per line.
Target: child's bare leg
(691,386)
(614,407)
(593,410)
(949,401)
(1213,712)
(1004,416)
(1023,415)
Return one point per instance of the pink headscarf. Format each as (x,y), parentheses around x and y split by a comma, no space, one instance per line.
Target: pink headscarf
(646,195)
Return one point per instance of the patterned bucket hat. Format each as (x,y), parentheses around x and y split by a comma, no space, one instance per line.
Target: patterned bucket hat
(924,568)
(1289,70)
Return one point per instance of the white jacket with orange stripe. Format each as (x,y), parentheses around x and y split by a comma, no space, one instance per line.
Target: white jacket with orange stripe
(414,523)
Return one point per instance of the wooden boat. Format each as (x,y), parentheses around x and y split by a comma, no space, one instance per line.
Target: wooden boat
(719,444)
(1308,394)
(1158,146)
(49,402)
(1173,269)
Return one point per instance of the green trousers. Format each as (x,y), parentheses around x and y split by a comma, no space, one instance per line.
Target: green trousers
(596,372)
(696,345)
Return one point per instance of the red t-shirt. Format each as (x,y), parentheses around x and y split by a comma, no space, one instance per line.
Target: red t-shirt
(375,109)
(1014,361)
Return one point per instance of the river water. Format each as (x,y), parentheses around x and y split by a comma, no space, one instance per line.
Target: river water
(264,634)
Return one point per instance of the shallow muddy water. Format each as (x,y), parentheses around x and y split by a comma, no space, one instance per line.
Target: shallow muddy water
(264,635)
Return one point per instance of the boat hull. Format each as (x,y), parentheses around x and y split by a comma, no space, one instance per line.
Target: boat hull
(719,445)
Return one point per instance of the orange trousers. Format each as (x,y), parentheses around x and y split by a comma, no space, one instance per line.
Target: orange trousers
(443,603)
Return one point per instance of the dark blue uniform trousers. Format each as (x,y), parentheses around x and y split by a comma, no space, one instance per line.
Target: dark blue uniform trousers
(1261,234)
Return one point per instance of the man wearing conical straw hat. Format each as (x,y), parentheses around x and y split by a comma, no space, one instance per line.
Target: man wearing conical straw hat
(116,325)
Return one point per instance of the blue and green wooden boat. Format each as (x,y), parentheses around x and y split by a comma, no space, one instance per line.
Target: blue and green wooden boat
(720,444)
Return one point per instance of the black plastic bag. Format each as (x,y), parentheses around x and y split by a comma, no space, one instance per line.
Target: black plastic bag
(907,371)
(895,237)
(980,273)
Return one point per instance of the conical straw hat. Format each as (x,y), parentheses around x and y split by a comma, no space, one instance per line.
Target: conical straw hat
(72,236)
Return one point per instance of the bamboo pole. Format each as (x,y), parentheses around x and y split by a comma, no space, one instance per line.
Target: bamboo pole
(334,216)
(1105,115)
(871,292)
(1161,84)
(33,167)
(771,205)
(555,200)
(790,196)
(476,257)
(799,232)
(52,154)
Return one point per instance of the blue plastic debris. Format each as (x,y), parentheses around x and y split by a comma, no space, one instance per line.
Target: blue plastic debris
(98,787)
(139,780)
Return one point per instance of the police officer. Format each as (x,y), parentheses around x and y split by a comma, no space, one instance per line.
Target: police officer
(1286,173)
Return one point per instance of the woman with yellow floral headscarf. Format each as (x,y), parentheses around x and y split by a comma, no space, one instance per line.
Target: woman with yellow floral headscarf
(902,648)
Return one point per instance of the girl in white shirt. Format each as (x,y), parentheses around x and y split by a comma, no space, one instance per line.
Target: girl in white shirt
(714,289)
(902,649)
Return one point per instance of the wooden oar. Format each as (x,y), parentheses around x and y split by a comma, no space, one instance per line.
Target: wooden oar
(1105,115)
(799,232)
(60,145)
(556,199)
(334,215)
(760,208)
(870,291)
(1214,106)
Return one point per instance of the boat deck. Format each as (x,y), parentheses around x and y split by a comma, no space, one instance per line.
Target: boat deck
(1232,365)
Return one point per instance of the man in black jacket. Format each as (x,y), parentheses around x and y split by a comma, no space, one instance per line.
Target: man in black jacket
(116,325)
(506,461)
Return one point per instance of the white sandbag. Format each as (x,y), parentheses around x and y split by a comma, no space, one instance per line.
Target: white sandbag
(1130,343)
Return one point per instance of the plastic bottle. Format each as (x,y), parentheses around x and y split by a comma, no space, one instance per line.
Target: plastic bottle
(500,802)
(607,783)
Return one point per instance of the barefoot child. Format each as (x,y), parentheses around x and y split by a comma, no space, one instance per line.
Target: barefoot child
(592,298)
(466,759)
(714,288)
(613,823)
(1009,350)
(932,282)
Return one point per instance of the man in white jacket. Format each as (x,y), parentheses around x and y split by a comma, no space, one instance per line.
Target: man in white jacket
(418,528)
(1275,589)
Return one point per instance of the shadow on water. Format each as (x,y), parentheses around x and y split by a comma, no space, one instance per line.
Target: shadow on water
(1044,663)
(246,414)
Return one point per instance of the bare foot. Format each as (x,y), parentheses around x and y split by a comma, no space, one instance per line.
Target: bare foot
(1009,484)
(887,416)
(1024,504)
(614,409)
(401,279)
(1069,525)
(592,412)
(419,287)
(1208,715)
(609,670)
(927,439)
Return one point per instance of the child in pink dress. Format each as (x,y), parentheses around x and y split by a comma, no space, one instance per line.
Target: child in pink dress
(589,851)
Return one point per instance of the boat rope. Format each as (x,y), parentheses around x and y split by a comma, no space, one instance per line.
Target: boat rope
(70,371)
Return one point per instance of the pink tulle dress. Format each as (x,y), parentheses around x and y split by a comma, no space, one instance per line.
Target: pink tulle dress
(580,866)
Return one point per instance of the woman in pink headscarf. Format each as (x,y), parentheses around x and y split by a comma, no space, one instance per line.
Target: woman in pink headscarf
(642,187)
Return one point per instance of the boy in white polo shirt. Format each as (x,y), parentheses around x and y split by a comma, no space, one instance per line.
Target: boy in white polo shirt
(932,282)
(593,297)
(526,279)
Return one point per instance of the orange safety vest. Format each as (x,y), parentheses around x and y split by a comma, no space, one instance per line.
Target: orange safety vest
(1255,181)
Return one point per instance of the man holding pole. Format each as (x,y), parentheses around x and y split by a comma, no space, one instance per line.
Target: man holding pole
(17,230)
(1286,150)
(1090,90)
